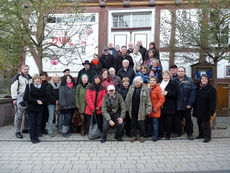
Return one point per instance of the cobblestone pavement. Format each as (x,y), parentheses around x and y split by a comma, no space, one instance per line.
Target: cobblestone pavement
(78,154)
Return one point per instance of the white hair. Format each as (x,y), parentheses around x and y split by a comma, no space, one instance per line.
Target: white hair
(139,78)
(111,68)
(125,60)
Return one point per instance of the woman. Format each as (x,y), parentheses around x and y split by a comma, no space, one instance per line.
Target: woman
(138,104)
(105,78)
(35,96)
(67,102)
(96,65)
(52,93)
(116,79)
(169,91)
(152,47)
(156,67)
(143,73)
(94,98)
(204,107)
(150,58)
(137,59)
(157,100)
(81,103)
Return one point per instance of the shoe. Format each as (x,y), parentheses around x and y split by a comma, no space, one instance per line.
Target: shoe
(18,135)
(199,137)
(142,140)
(51,135)
(159,138)
(45,132)
(38,140)
(206,140)
(119,139)
(40,135)
(190,137)
(66,135)
(176,136)
(133,139)
(154,140)
(34,141)
(167,138)
(103,140)
(25,131)
(82,134)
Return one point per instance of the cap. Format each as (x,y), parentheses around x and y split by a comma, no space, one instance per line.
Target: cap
(111,87)
(105,48)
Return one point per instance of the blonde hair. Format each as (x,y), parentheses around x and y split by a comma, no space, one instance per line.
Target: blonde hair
(54,76)
(168,73)
(125,79)
(35,76)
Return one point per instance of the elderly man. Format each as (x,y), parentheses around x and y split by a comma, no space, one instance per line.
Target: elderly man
(139,106)
(130,48)
(18,86)
(112,50)
(142,49)
(113,111)
(107,60)
(126,71)
(124,55)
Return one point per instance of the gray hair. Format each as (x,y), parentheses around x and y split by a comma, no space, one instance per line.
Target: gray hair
(136,47)
(125,60)
(138,78)
(111,68)
(84,75)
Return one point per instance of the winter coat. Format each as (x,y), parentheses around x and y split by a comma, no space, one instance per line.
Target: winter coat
(145,77)
(120,58)
(52,93)
(123,91)
(205,104)
(117,106)
(157,101)
(107,61)
(158,73)
(116,80)
(32,94)
(80,97)
(67,97)
(91,73)
(169,106)
(113,52)
(186,92)
(145,106)
(107,82)
(19,82)
(97,67)
(137,60)
(126,73)
(142,50)
(90,97)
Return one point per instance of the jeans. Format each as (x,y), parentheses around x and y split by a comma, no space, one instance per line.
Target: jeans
(60,122)
(34,124)
(20,119)
(120,127)
(66,123)
(51,109)
(155,128)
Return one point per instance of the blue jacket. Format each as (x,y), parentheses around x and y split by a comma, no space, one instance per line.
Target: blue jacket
(145,77)
(186,92)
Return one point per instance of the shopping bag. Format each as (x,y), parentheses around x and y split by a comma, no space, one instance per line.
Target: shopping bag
(94,131)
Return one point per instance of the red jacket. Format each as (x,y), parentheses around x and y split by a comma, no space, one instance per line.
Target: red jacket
(90,97)
(157,101)
(106,83)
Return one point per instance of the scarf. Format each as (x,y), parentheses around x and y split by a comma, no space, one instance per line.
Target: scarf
(37,86)
(164,84)
(55,85)
(70,85)
(95,62)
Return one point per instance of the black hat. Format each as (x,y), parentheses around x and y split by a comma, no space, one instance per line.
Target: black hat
(86,62)
(173,66)
(66,70)
(105,48)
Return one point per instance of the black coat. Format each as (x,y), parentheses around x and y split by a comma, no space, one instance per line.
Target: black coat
(97,67)
(67,97)
(107,61)
(205,104)
(32,94)
(52,95)
(128,73)
(120,58)
(123,91)
(143,51)
(169,106)
(91,73)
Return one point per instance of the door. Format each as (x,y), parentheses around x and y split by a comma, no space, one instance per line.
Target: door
(222,99)
(121,38)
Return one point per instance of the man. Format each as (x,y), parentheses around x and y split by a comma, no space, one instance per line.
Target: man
(18,86)
(107,60)
(126,71)
(112,50)
(86,70)
(142,50)
(122,57)
(138,105)
(113,111)
(66,72)
(185,99)
(130,48)
(173,70)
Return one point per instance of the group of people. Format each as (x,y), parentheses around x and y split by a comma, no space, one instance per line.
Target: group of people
(127,89)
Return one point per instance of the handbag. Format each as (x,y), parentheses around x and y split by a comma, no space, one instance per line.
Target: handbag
(94,131)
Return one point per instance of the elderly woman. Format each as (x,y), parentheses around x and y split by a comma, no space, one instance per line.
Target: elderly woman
(168,111)
(138,104)
(35,96)
(137,59)
(81,103)
(52,93)
(204,107)
(116,79)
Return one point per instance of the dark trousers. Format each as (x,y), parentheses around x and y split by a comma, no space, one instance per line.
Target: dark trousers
(127,122)
(99,118)
(45,115)
(135,123)
(67,118)
(85,123)
(165,124)
(120,127)
(204,129)
(188,122)
(34,124)
(148,127)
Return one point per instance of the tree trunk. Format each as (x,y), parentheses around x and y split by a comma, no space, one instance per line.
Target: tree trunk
(214,77)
